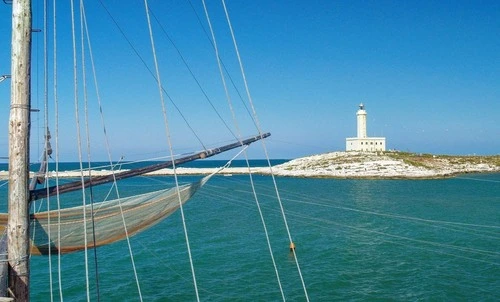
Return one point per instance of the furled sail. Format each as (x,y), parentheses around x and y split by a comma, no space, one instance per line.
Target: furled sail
(139,213)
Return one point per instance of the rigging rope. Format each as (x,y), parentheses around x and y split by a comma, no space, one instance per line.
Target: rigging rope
(220,59)
(467,228)
(77,105)
(228,97)
(151,72)
(167,129)
(56,121)
(84,29)
(303,218)
(108,150)
(264,146)
(79,142)
(192,74)
(46,125)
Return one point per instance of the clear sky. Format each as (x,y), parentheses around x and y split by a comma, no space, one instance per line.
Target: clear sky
(428,73)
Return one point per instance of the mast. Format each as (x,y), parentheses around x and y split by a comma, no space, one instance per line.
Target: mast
(19,130)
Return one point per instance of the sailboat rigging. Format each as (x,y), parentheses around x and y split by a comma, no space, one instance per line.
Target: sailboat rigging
(140,211)
(67,230)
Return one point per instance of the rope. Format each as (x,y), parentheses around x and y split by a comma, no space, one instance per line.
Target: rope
(264,146)
(79,144)
(193,76)
(233,84)
(20,106)
(17,259)
(216,49)
(83,25)
(46,125)
(108,150)
(151,72)
(56,138)
(167,129)
(243,149)
(301,218)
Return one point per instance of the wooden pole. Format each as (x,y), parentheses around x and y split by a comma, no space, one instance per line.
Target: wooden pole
(19,130)
(4,268)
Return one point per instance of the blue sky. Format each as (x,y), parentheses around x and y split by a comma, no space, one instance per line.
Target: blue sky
(427,71)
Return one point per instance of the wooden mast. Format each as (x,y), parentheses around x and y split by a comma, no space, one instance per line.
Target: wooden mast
(19,130)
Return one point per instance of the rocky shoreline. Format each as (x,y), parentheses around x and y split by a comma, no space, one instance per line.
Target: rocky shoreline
(386,165)
(370,165)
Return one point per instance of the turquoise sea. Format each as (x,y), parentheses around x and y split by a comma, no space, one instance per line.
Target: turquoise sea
(356,240)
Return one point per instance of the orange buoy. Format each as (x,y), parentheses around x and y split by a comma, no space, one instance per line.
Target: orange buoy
(292,246)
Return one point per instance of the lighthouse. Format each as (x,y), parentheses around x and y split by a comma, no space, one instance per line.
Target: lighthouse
(363,142)
(361,114)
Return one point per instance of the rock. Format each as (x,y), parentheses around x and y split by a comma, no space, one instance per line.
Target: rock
(385,165)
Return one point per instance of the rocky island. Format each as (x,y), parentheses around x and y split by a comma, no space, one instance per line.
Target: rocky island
(387,164)
(352,164)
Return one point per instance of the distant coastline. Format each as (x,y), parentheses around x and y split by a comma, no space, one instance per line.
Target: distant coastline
(365,165)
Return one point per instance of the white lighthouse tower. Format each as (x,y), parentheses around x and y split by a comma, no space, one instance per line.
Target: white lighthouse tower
(361,114)
(362,142)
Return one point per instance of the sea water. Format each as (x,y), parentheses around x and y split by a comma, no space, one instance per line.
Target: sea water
(356,240)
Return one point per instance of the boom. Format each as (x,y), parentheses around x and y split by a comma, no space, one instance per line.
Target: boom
(98,180)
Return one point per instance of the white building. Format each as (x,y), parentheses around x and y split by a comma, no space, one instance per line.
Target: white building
(362,142)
